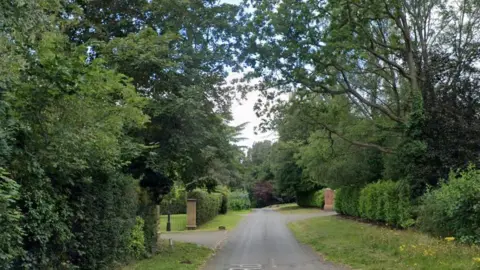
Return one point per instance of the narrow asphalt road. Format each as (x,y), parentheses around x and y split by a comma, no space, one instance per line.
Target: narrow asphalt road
(263,242)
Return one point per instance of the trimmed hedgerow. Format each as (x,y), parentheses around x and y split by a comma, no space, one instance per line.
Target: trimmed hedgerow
(347,200)
(383,201)
(386,201)
(208,205)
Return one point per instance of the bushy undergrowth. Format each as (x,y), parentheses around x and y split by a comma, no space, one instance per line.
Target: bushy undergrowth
(454,208)
(239,200)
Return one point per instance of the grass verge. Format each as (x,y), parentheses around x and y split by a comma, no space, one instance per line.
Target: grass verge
(365,246)
(229,220)
(178,222)
(183,256)
(293,208)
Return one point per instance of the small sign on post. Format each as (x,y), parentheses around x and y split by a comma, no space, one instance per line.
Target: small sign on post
(329,199)
(191,214)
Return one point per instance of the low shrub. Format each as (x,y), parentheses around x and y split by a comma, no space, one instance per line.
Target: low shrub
(208,205)
(347,200)
(311,198)
(239,200)
(136,244)
(454,208)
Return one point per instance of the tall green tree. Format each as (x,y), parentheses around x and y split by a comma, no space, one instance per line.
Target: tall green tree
(177,54)
(393,61)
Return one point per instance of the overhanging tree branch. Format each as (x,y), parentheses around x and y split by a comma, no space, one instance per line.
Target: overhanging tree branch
(384,110)
(357,143)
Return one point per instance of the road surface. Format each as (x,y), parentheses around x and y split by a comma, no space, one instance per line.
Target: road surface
(263,242)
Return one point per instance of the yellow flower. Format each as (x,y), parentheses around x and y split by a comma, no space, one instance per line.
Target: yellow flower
(449,239)
(402,247)
(477,259)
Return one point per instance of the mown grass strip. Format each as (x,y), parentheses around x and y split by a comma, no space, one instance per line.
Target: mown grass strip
(182,256)
(229,220)
(293,208)
(365,246)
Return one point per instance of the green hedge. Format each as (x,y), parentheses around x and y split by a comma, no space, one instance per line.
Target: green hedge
(239,200)
(383,201)
(346,201)
(175,203)
(208,205)
(454,208)
(311,198)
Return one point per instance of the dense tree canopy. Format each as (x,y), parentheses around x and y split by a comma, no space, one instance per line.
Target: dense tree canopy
(401,73)
(105,105)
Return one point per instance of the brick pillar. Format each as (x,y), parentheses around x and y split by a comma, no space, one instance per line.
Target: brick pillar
(191,214)
(329,199)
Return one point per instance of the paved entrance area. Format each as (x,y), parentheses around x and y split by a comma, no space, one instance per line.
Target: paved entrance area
(263,242)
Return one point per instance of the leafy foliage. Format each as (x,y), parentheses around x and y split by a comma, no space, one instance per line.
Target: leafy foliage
(263,194)
(238,200)
(10,221)
(137,239)
(453,208)
(102,107)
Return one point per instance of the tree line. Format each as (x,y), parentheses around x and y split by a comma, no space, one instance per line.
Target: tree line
(103,106)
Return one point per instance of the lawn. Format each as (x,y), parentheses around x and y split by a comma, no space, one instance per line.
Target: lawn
(230,221)
(365,246)
(179,222)
(293,208)
(183,256)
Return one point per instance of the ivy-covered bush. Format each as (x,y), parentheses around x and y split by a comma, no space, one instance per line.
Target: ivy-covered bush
(208,205)
(454,208)
(239,200)
(346,201)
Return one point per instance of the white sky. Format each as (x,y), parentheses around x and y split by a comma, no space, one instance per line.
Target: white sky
(243,111)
